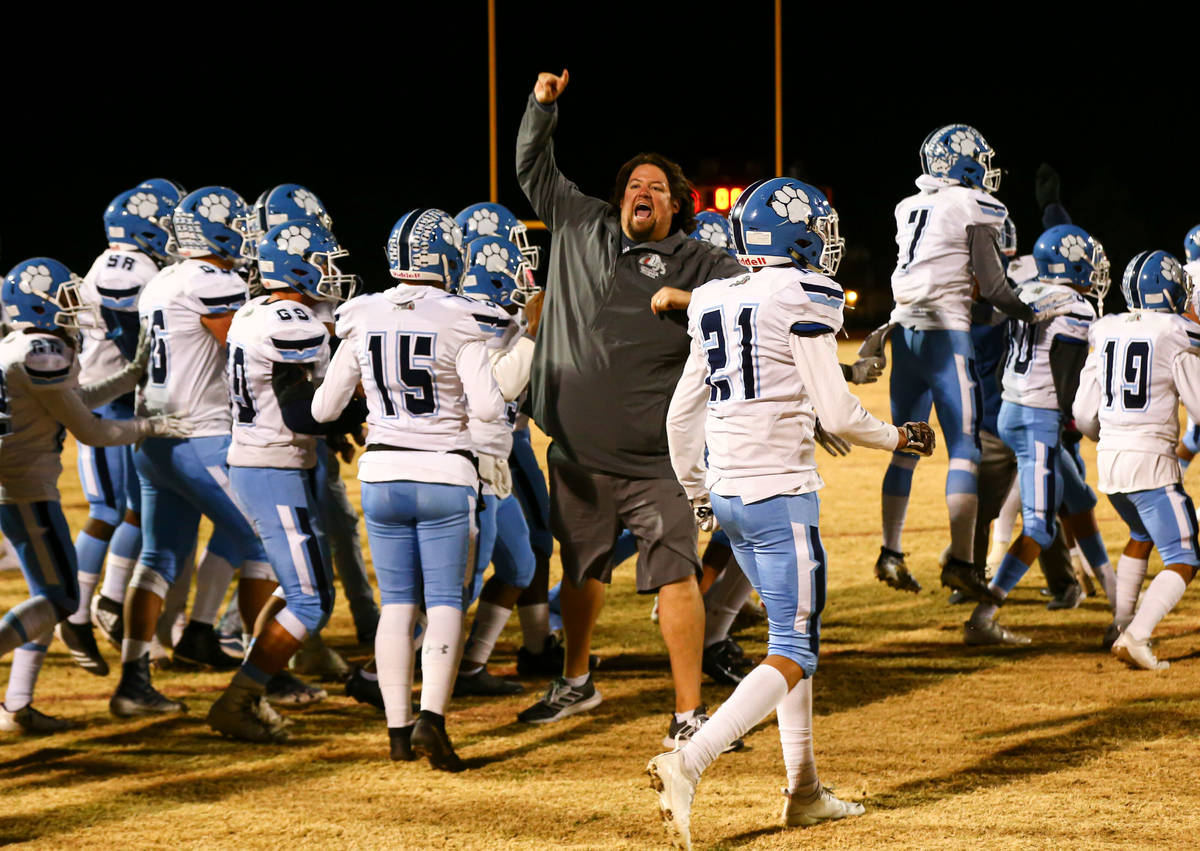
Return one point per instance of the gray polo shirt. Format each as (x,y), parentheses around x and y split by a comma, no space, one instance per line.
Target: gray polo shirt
(605,367)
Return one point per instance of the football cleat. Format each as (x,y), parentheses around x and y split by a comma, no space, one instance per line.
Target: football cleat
(562,700)
(429,740)
(725,663)
(890,568)
(483,684)
(235,714)
(1137,653)
(962,576)
(1111,634)
(135,695)
(826,807)
(364,690)
(400,743)
(675,793)
(200,645)
(679,733)
(267,714)
(286,689)
(81,641)
(991,634)
(316,659)
(29,721)
(1068,599)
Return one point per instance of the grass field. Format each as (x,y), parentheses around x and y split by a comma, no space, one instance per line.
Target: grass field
(1054,745)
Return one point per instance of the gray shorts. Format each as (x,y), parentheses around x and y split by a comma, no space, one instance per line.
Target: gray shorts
(588,510)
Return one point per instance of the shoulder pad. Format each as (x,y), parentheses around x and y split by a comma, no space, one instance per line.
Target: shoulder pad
(216,290)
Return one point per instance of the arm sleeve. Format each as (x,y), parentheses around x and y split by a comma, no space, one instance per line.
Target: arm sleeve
(341,379)
(989,272)
(1067,356)
(511,368)
(685,426)
(294,392)
(66,406)
(840,411)
(1185,370)
(554,198)
(1086,407)
(106,389)
(484,401)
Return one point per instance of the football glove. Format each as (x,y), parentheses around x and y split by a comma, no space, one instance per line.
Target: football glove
(1049,306)
(496,473)
(921,439)
(867,370)
(702,511)
(831,443)
(872,347)
(167,425)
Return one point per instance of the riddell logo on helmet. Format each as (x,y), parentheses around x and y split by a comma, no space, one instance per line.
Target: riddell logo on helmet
(752,260)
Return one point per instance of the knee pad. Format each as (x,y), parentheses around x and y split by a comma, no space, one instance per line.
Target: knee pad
(303,615)
(801,649)
(252,569)
(963,476)
(148,579)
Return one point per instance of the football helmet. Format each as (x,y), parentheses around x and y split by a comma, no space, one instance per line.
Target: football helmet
(212,220)
(174,193)
(426,245)
(1008,238)
(1155,280)
(490,219)
(959,152)
(285,203)
(497,271)
(140,219)
(781,221)
(43,293)
(300,254)
(713,228)
(1068,253)
(1191,245)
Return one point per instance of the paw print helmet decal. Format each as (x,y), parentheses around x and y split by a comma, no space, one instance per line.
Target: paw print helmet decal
(285,203)
(497,271)
(1155,280)
(1191,245)
(490,219)
(783,221)
(426,245)
(140,219)
(301,254)
(713,228)
(1068,253)
(959,152)
(213,220)
(43,293)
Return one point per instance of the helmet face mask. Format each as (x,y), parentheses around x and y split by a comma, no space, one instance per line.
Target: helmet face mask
(782,221)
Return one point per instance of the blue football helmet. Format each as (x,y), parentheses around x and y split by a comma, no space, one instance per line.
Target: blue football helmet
(781,221)
(140,219)
(300,254)
(959,152)
(1068,253)
(43,293)
(1191,245)
(713,228)
(173,193)
(1155,280)
(490,219)
(212,220)
(287,202)
(426,245)
(1008,238)
(497,271)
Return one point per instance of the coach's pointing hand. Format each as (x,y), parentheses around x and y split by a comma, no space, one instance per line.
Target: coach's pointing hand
(549,86)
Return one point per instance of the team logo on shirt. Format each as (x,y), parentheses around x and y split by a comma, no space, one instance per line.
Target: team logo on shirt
(652,266)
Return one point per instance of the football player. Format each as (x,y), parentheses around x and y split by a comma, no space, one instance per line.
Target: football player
(947,236)
(1040,379)
(275,342)
(187,308)
(763,359)
(1189,443)
(422,359)
(40,400)
(1143,363)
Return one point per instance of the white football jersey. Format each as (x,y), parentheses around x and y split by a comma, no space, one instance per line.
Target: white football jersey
(186,375)
(1027,379)
(264,333)
(31,439)
(1142,364)
(115,281)
(422,357)
(1022,269)
(933,279)
(1193,270)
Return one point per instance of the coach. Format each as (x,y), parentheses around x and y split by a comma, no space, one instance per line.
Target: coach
(603,373)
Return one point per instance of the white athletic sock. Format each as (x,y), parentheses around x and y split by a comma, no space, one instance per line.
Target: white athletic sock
(1006,520)
(963,508)
(794,714)
(394,661)
(22,677)
(87,586)
(1108,581)
(535,626)
(214,575)
(753,699)
(576,682)
(723,601)
(132,649)
(489,623)
(894,509)
(1164,594)
(439,657)
(24,622)
(1131,573)
(117,570)
(175,605)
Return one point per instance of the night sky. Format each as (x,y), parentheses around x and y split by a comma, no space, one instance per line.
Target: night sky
(380,116)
